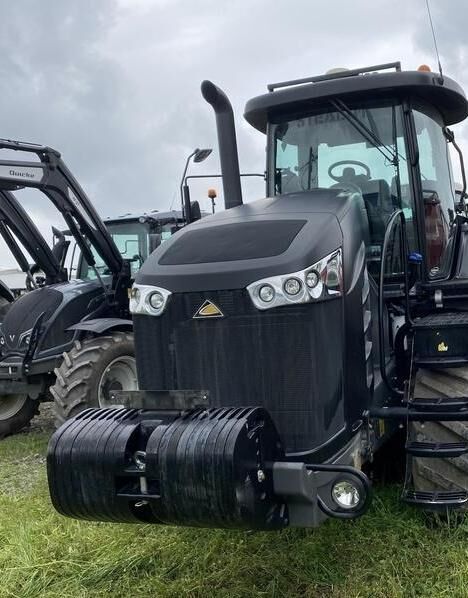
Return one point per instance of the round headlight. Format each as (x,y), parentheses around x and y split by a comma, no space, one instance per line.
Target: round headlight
(156,300)
(292,286)
(266,293)
(312,279)
(346,495)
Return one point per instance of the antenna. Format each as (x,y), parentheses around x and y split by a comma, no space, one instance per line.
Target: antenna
(434,38)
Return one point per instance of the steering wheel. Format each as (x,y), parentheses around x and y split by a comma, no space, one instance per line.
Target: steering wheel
(339,179)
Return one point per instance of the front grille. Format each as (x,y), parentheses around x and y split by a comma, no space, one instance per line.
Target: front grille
(288,360)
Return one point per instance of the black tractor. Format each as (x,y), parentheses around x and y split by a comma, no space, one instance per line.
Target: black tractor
(74,335)
(282,342)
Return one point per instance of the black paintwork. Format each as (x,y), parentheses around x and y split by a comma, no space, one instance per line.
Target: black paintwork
(64,304)
(323,210)
(292,360)
(100,325)
(227,142)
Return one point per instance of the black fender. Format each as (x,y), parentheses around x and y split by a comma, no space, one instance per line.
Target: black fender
(100,325)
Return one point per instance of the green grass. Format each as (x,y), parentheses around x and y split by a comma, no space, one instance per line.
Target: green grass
(389,552)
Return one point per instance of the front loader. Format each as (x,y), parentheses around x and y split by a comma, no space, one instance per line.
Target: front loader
(74,335)
(20,233)
(282,342)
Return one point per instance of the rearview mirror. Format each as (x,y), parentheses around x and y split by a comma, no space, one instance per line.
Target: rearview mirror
(154,241)
(431,198)
(195,212)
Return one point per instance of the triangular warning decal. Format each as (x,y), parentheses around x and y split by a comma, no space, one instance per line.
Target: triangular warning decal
(209,310)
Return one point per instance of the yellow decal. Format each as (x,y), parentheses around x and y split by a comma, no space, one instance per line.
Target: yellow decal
(381,427)
(209,310)
(442,347)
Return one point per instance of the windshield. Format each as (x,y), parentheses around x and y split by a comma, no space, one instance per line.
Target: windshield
(438,190)
(358,149)
(132,240)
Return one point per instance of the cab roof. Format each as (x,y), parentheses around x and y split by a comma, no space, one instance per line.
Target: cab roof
(173,215)
(307,94)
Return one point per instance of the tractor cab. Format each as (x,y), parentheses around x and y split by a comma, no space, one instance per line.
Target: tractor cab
(382,136)
(136,236)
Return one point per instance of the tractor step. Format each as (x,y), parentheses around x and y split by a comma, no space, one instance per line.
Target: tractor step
(437,499)
(441,340)
(437,449)
(438,408)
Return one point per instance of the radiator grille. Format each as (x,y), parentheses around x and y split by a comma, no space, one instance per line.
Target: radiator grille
(288,360)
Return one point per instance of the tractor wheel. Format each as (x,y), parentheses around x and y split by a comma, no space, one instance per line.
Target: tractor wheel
(91,371)
(441,474)
(16,411)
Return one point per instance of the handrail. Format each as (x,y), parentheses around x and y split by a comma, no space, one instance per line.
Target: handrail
(336,75)
(398,215)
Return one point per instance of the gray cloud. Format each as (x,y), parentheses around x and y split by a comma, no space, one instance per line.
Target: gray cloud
(114,85)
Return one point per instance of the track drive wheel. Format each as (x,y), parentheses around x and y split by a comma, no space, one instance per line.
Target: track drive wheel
(16,411)
(91,371)
(449,473)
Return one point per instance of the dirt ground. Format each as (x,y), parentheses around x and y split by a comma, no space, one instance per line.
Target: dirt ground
(43,422)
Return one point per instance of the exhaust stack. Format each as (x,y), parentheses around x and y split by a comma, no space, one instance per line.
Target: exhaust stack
(227,143)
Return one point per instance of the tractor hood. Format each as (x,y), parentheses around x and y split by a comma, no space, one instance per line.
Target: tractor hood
(272,236)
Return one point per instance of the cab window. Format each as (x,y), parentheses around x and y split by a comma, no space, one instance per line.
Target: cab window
(132,241)
(438,190)
(329,150)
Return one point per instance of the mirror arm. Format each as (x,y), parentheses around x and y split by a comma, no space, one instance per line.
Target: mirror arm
(450,136)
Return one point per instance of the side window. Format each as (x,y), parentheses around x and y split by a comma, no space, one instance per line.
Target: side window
(286,177)
(438,191)
(129,247)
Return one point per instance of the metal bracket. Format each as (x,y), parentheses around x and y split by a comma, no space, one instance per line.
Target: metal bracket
(33,342)
(173,400)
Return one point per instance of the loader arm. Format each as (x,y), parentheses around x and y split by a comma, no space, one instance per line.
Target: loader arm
(51,176)
(15,224)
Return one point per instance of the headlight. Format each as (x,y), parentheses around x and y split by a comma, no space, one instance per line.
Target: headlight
(292,286)
(322,280)
(148,300)
(266,293)
(156,300)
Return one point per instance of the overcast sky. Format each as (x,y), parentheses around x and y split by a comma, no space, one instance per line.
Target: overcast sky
(115,84)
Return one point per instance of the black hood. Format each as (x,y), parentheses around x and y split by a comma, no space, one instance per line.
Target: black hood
(272,236)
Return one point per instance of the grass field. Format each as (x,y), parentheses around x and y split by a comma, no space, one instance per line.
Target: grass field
(392,551)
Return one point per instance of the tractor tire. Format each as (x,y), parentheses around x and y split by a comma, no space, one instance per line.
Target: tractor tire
(440,474)
(90,371)
(16,411)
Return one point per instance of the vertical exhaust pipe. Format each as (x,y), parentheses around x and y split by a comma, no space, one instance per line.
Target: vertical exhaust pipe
(227,143)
